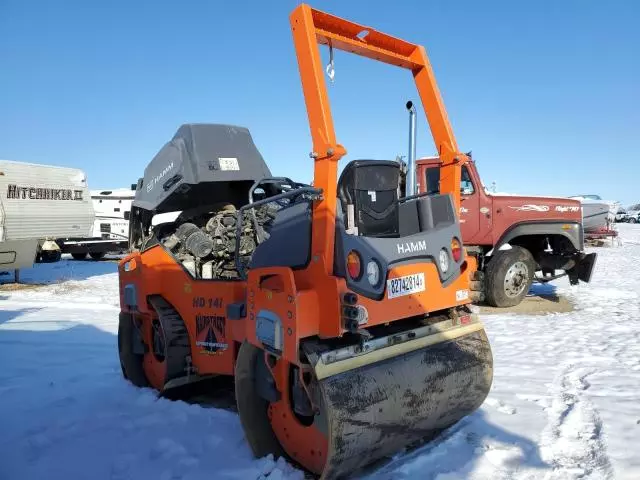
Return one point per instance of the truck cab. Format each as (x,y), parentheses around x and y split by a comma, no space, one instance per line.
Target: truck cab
(488,218)
(475,205)
(545,234)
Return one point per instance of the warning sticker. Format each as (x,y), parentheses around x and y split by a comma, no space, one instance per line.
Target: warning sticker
(462,295)
(228,163)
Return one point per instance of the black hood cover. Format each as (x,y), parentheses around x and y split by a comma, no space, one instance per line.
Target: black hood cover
(203,163)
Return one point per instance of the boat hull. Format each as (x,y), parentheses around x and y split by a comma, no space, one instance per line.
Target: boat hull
(595,216)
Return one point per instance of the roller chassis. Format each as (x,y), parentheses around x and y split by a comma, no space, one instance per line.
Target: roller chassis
(308,387)
(335,367)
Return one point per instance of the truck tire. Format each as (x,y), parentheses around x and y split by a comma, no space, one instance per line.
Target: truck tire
(508,276)
(97,255)
(79,256)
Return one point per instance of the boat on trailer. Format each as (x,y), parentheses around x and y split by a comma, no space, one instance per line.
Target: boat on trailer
(597,214)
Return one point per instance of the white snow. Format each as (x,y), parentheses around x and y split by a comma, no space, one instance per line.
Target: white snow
(565,402)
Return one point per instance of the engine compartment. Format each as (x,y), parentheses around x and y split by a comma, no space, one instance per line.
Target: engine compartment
(204,241)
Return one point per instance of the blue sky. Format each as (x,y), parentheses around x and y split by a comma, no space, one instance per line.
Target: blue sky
(546,94)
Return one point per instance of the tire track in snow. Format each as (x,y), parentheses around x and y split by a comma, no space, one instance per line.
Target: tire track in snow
(572,442)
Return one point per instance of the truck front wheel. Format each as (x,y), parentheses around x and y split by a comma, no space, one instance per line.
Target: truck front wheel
(508,276)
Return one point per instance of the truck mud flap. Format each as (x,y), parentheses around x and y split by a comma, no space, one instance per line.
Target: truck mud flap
(583,269)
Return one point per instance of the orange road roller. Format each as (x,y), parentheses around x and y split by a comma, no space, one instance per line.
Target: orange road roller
(341,309)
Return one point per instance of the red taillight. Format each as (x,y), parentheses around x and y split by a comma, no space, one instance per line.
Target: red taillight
(456,249)
(354,265)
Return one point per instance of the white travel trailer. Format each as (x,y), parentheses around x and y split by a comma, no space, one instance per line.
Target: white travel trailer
(39,203)
(111,226)
(112,208)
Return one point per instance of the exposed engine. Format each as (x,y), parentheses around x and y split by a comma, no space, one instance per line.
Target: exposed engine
(206,244)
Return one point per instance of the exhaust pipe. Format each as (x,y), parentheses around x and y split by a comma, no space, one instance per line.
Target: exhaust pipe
(411,158)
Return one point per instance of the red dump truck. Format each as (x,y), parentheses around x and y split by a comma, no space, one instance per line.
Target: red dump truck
(515,239)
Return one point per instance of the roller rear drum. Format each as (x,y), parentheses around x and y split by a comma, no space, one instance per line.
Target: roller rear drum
(362,414)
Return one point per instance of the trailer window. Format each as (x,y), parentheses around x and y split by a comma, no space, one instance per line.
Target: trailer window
(433,181)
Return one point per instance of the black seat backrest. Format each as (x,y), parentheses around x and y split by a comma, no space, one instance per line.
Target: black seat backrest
(371,186)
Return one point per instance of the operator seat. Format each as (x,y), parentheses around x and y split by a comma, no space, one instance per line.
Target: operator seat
(368,193)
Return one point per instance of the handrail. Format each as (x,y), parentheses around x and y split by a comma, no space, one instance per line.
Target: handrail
(312,191)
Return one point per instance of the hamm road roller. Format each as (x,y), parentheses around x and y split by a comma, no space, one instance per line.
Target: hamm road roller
(340,308)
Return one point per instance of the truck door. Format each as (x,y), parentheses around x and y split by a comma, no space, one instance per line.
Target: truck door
(469,200)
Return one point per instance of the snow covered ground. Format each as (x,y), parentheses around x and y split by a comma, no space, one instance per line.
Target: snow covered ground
(565,402)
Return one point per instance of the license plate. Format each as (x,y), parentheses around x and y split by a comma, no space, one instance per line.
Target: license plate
(398,287)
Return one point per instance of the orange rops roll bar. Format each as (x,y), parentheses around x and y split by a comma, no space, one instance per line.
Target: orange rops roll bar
(311,27)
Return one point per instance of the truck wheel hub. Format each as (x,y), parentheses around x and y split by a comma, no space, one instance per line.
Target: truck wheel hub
(516,279)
